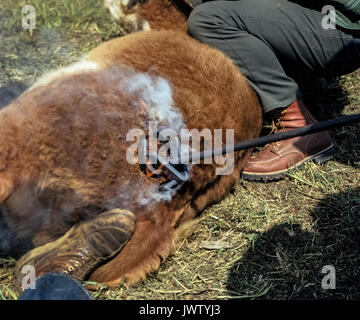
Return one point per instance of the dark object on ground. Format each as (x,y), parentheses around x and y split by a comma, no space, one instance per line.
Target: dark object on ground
(56,286)
(10,92)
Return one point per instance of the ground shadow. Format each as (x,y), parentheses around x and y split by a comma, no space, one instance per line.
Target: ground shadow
(330,102)
(287,262)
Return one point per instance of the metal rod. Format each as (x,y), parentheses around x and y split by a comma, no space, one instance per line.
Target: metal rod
(313,128)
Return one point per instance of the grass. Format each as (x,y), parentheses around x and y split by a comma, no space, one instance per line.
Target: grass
(64,31)
(263,241)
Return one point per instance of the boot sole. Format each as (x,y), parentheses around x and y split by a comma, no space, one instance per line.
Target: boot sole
(318,158)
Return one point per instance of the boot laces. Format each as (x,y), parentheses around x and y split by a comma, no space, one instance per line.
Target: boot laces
(277,126)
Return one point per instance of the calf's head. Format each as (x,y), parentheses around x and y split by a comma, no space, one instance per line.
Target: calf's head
(136,15)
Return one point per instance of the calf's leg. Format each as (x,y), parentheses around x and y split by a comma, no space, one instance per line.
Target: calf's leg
(150,244)
(153,240)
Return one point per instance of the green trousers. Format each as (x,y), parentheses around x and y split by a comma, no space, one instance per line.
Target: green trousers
(274,43)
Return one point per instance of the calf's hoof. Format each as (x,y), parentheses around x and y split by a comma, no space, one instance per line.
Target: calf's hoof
(83,247)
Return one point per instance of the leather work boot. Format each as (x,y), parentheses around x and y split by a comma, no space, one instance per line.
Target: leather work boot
(277,158)
(83,247)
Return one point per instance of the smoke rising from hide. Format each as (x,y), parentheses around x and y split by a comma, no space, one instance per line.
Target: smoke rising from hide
(149,95)
(156,99)
(95,100)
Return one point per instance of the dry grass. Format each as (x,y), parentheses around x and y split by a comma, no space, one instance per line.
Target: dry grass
(269,241)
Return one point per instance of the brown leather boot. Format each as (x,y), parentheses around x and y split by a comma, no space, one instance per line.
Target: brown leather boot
(277,158)
(83,247)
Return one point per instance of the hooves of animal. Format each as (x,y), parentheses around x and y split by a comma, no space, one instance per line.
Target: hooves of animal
(65,180)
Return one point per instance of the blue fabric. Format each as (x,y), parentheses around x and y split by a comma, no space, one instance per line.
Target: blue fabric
(56,286)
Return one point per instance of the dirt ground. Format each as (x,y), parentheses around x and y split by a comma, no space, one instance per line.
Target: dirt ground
(272,239)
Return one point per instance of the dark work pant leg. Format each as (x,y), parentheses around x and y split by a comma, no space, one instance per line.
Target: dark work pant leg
(273,39)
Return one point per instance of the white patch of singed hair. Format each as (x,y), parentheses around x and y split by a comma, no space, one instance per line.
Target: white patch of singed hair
(156,93)
(79,67)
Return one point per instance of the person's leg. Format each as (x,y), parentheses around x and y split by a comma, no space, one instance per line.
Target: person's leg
(56,286)
(268,41)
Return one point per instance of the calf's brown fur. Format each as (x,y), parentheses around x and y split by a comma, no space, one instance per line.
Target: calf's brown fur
(62,149)
(150,14)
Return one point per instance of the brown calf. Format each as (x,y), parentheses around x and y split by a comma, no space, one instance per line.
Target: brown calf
(63,147)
